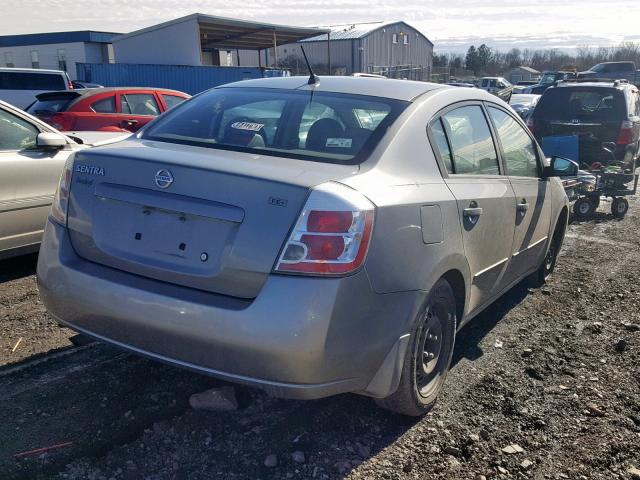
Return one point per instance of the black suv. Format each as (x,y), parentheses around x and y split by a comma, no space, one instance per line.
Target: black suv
(598,113)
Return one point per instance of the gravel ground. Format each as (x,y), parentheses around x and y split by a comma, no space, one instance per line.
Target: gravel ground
(546,385)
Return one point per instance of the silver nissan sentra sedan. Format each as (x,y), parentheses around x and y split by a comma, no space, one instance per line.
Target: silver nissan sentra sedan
(307,238)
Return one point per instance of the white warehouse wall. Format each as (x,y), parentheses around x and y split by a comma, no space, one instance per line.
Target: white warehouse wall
(47,55)
(175,44)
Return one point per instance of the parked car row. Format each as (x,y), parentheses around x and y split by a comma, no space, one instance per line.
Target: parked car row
(79,106)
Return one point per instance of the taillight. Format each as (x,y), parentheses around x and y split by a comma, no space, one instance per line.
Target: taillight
(531,124)
(61,198)
(331,235)
(625,137)
(62,121)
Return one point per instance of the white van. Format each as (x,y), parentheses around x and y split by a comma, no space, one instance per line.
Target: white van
(19,86)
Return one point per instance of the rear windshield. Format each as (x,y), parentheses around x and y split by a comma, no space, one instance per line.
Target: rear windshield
(326,127)
(31,81)
(581,103)
(50,104)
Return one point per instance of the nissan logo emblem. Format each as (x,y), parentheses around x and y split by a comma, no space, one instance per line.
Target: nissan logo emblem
(164,178)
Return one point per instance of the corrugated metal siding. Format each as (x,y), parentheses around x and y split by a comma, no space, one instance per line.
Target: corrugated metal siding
(378,50)
(367,52)
(184,78)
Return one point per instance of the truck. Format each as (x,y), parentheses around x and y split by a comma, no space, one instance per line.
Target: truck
(612,71)
(549,79)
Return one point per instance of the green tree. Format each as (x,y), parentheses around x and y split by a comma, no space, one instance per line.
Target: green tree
(471,60)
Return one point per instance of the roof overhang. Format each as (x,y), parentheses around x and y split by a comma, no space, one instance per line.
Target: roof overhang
(220,32)
(229,33)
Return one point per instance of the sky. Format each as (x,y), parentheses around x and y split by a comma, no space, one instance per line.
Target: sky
(452,25)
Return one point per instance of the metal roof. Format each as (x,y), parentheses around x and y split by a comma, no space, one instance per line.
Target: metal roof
(56,37)
(376,87)
(356,31)
(222,32)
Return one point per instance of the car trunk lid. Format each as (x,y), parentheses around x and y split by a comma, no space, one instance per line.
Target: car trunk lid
(191,216)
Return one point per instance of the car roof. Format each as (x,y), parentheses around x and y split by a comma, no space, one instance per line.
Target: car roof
(84,92)
(405,90)
(31,70)
(618,86)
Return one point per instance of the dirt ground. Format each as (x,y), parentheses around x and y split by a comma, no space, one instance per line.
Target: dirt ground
(552,373)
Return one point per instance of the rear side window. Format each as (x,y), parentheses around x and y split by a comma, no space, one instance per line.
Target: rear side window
(519,152)
(437,131)
(581,103)
(471,143)
(172,100)
(139,104)
(31,81)
(106,105)
(318,126)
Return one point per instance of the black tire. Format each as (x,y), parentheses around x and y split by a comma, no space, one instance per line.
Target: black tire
(420,382)
(619,207)
(595,201)
(540,276)
(583,208)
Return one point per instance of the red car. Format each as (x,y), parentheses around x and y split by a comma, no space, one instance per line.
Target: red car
(118,109)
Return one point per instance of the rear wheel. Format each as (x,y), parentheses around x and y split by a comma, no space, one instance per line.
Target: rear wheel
(583,207)
(619,207)
(428,357)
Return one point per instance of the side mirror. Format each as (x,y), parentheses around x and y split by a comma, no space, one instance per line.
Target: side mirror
(561,167)
(50,140)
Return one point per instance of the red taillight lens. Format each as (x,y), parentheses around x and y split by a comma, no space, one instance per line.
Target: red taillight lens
(532,125)
(62,121)
(329,222)
(625,137)
(332,235)
(61,197)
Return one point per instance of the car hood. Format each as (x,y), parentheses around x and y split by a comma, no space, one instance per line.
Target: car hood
(95,139)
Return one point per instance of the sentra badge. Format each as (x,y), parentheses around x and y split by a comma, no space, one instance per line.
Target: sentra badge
(89,169)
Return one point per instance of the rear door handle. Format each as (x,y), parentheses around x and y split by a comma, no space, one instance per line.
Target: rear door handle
(472,212)
(131,121)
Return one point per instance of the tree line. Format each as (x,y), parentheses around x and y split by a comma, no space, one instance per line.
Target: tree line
(485,60)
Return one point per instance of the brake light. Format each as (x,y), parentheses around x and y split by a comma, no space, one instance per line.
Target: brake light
(331,235)
(62,121)
(531,124)
(61,198)
(625,137)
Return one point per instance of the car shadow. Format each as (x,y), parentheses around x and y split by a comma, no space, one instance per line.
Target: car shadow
(18,267)
(469,337)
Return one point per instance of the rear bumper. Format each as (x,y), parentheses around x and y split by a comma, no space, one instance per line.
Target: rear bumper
(300,338)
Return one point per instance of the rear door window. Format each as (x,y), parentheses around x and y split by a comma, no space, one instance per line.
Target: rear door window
(105,105)
(518,150)
(472,146)
(139,104)
(31,81)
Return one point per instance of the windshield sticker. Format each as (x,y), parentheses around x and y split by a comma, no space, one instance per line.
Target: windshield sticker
(339,142)
(250,126)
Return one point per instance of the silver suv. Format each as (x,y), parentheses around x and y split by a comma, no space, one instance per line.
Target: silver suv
(307,239)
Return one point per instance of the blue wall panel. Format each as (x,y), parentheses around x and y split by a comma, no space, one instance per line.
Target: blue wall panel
(184,78)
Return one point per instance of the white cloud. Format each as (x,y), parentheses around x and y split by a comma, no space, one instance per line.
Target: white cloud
(453,25)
